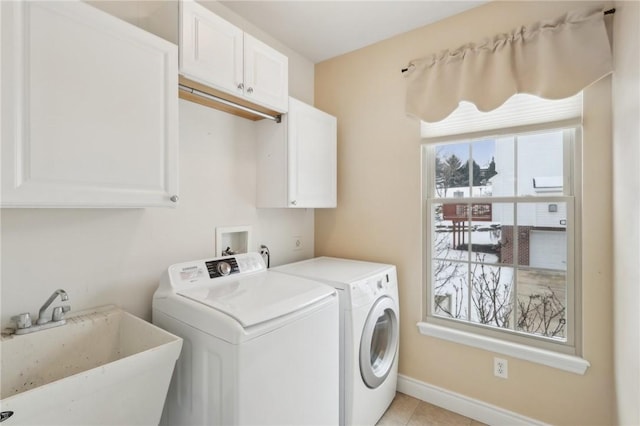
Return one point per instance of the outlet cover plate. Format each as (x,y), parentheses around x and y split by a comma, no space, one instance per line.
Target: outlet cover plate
(500,368)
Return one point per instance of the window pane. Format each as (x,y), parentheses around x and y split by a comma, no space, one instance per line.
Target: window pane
(487,242)
(491,295)
(450,235)
(484,167)
(502,265)
(503,182)
(540,164)
(542,301)
(450,289)
(542,235)
(452,172)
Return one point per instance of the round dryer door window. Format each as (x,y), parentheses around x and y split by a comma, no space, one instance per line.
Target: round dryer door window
(379,342)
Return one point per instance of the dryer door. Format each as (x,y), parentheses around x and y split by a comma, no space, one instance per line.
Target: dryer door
(379,342)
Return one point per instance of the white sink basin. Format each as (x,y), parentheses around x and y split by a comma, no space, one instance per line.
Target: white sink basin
(104,367)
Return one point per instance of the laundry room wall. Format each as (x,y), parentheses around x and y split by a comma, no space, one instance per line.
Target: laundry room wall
(379,216)
(626,200)
(116,256)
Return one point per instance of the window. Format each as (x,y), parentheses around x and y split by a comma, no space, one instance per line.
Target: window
(501,244)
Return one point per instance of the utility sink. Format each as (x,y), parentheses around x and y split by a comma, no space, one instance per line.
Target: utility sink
(104,367)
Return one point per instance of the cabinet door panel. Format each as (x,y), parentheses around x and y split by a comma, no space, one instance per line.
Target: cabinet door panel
(211,48)
(312,157)
(266,74)
(89,109)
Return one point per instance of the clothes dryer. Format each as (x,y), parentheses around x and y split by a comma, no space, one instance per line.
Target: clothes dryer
(260,348)
(369,332)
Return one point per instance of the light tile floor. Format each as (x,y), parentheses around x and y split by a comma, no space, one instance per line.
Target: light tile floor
(408,411)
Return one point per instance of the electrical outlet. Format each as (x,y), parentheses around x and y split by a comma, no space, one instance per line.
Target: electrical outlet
(297,243)
(500,368)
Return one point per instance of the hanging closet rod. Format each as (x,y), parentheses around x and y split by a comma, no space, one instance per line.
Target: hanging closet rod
(606,12)
(276,118)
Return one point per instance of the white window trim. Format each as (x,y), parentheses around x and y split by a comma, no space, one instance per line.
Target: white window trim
(563,361)
(570,363)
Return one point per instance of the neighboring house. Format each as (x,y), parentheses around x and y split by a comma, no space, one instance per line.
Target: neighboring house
(542,238)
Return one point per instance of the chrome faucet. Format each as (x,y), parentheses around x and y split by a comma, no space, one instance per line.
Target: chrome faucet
(23,321)
(63,297)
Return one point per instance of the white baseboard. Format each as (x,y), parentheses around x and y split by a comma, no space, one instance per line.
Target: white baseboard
(469,407)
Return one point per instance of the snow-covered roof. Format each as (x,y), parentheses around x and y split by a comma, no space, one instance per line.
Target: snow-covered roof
(547,182)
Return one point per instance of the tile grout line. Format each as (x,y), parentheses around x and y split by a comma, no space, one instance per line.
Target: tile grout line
(413,412)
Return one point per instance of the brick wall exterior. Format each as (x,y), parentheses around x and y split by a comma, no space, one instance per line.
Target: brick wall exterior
(506,244)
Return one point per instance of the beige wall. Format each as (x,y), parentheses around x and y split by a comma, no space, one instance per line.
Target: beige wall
(378,216)
(626,147)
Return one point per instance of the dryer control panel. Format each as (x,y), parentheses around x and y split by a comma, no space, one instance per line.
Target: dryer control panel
(366,291)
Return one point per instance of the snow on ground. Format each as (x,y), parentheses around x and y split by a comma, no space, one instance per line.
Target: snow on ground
(453,274)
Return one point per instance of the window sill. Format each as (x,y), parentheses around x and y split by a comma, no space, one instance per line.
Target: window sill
(570,363)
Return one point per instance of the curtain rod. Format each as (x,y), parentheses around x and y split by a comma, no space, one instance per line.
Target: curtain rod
(606,12)
(197,92)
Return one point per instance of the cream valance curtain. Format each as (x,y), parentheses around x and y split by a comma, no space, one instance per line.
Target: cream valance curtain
(552,60)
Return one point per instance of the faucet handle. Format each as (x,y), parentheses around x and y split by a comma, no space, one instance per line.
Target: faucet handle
(22,320)
(59,311)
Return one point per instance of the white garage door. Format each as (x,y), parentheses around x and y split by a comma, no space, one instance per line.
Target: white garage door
(548,249)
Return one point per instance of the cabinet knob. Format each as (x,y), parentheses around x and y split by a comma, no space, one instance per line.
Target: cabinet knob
(250,90)
(174,198)
(241,86)
(294,202)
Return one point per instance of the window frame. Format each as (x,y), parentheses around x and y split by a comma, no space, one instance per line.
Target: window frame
(504,340)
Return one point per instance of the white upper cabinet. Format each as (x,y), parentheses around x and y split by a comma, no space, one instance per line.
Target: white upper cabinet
(210,49)
(297,159)
(266,76)
(218,54)
(89,109)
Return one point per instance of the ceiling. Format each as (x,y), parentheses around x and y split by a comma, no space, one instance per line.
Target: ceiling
(320,30)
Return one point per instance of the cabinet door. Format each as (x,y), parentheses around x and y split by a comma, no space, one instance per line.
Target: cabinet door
(89,109)
(312,156)
(210,49)
(266,75)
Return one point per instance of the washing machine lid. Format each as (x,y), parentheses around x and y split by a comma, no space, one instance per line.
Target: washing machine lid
(258,298)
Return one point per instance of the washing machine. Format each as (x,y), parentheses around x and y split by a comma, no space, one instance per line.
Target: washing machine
(369,332)
(260,348)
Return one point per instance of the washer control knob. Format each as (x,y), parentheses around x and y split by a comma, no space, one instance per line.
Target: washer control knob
(223,268)
(380,285)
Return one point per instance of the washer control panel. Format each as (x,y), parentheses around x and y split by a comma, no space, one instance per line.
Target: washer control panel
(222,267)
(188,274)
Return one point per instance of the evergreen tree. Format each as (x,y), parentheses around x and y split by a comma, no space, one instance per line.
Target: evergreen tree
(452,173)
(491,170)
(477,174)
(455,166)
(447,171)
(462,175)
